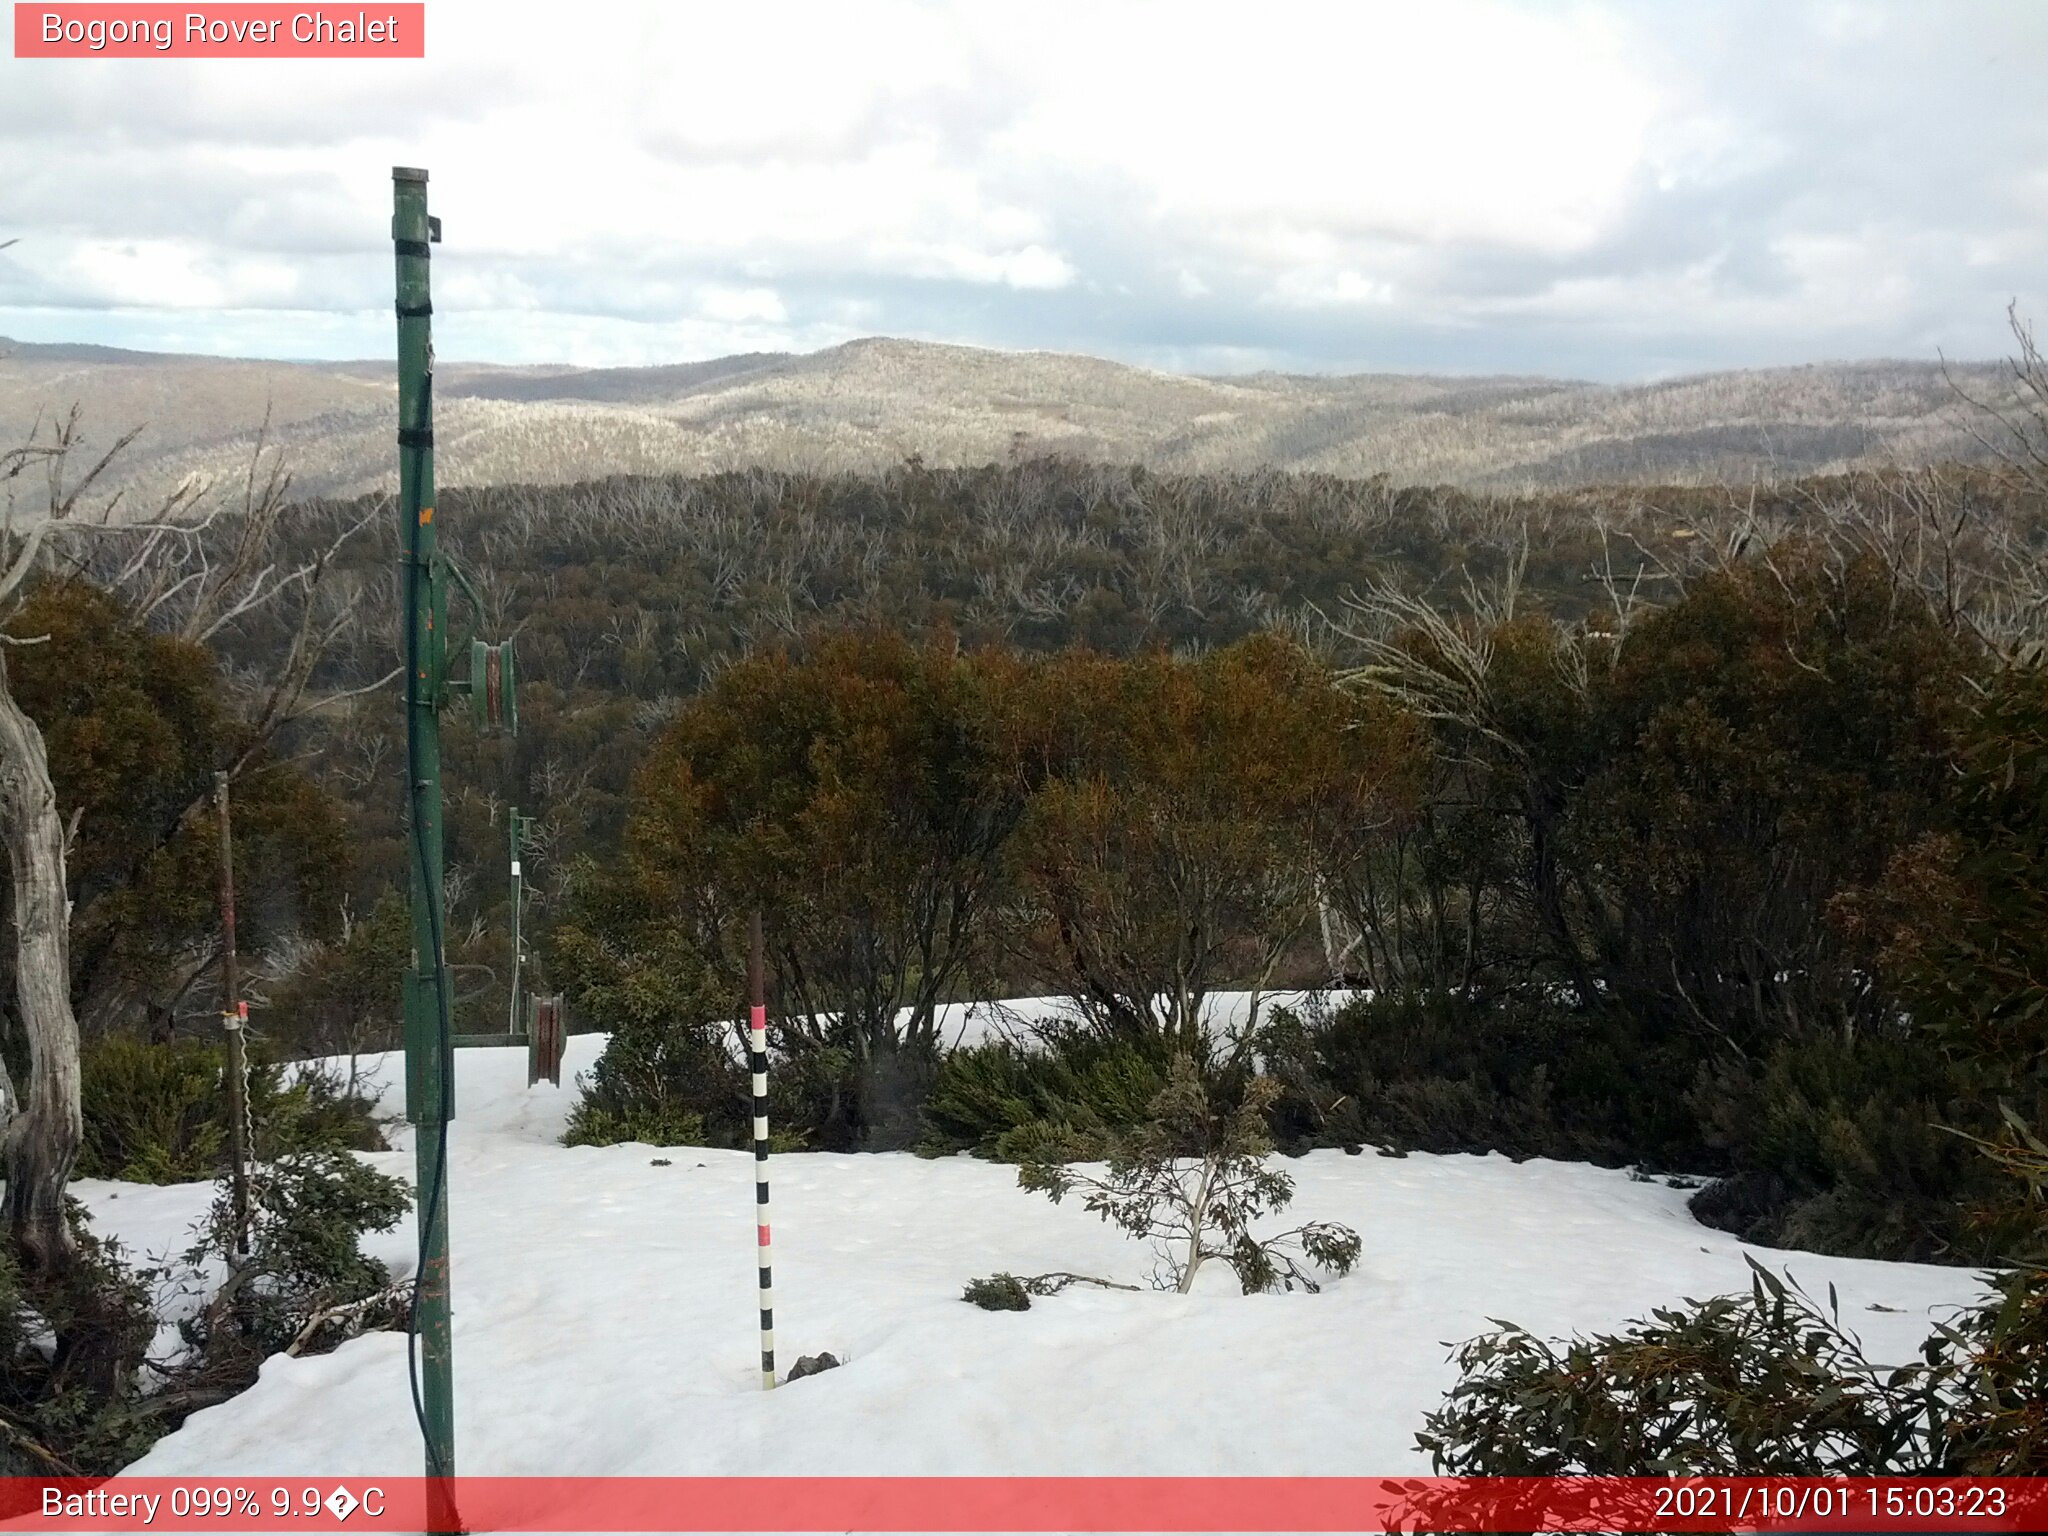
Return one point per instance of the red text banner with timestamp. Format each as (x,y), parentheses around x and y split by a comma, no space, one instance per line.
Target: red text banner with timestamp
(1025,1504)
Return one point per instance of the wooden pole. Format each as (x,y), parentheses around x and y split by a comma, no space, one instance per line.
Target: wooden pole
(757,1021)
(234,1014)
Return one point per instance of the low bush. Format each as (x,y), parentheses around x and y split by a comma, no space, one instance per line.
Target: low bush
(75,1397)
(338,999)
(154,1114)
(1772,1383)
(306,1270)
(1070,1093)
(70,1353)
(676,1083)
(1005,1292)
(651,1125)
(1764,1383)
(1851,1148)
(841,1092)
(1833,1144)
(1444,1073)
(1768,1383)
(998,1293)
(667,1085)
(158,1113)
(670,1074)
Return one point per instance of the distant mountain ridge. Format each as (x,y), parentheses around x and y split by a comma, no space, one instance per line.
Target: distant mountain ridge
(870,403)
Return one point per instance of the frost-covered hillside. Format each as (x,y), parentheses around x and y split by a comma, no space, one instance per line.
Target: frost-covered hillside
(605,1312)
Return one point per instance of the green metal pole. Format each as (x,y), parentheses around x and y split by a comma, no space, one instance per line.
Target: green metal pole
(428,1036)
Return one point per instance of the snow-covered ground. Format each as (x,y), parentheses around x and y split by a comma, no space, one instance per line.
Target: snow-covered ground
(605,1312)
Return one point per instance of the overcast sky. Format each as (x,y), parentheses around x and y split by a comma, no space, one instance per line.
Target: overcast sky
(1608,191)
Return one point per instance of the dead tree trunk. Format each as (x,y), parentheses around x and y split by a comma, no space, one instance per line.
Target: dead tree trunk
(42,1137)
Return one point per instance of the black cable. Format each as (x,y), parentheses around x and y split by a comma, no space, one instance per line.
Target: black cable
(441,1012)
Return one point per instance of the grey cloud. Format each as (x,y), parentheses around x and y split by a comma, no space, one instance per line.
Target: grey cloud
(1914,134)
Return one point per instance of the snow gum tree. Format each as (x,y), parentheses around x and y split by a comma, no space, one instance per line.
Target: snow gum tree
(1186,818)
(134,723)
(853,794)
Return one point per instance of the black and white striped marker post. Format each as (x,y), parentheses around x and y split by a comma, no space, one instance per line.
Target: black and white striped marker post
(758,1052)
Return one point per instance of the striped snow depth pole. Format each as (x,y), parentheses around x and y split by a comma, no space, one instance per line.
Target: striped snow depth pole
(757,1024)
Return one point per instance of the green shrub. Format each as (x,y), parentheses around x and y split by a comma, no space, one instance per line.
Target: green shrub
(1764,1383)
(845,1096)
(158,1113)
(998,1293)
(664,1083)
(1767,1383)
(1838,1145)
(658,1125)
(339,1000)
(154,1114)
(309,1211)
(71,1348)
(677,1085)
(308,1106)
(1061,1101)
(668,1075)
(1850,1148)
(1444,1073)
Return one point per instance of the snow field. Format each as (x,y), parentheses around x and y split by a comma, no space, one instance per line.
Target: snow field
(605,1312)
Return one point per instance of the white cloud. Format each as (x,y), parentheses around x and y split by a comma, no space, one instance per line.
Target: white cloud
(176,274)
(734,304)
(1312,184)
(1032,267)
(1456,120)
(1313,290)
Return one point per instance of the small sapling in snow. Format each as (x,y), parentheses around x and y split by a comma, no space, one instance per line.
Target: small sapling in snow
(1012,1293)
(998,1293)
(1192,1179)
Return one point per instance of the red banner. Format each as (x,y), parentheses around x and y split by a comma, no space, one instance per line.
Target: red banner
(377,31)
(1021,1504)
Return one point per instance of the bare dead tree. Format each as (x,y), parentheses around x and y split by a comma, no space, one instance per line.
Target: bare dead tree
(1436,662)
(2014,431)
